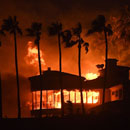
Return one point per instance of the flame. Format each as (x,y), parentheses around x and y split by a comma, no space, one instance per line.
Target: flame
(32,55)
(91,76)
(52,98)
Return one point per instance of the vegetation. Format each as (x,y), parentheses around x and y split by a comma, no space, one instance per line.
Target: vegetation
(69,43)
(11,25)
(99,25)
(35,31)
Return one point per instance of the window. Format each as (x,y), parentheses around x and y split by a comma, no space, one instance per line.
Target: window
(113,93)
(120,93)
(78,98)
(117,93)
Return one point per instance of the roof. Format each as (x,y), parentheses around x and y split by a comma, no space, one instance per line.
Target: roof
(50,81)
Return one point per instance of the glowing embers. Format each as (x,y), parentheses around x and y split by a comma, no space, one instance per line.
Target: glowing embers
(91,76)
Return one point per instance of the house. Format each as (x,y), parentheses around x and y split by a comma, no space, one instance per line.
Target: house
(117,85)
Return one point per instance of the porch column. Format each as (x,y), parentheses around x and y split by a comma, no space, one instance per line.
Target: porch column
(32,101)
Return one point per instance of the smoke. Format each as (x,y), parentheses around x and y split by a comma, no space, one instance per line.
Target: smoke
(9,96)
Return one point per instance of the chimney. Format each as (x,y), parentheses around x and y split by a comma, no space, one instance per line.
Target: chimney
(112,63)
(49,68)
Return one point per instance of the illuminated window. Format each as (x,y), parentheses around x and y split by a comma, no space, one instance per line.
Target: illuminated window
(92,97)
(66,96)
(72,96)
(50,99)
(36,100)
(57,99)
(44,101)
(78,98)
(84,96)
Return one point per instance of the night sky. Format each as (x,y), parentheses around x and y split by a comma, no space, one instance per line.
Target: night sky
(69,13)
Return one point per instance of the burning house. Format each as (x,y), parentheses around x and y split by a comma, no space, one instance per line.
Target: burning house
(116,89)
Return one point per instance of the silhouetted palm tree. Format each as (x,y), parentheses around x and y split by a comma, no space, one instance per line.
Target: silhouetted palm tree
(99,25)
(1,33)
(11,25)
(35,31)
(69,43)
(56,29)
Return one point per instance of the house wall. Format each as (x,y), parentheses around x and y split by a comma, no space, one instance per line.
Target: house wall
(116,92)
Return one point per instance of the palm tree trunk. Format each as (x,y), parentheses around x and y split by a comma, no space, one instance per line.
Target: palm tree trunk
(40,71)
(80,80)
(17,76)
(106,67)
(60,77)
(0,98)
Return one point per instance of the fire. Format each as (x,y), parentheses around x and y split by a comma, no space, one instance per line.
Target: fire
(32,55)
(91,76)
(52,98)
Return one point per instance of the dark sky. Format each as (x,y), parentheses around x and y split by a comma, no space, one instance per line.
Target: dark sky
(69,12)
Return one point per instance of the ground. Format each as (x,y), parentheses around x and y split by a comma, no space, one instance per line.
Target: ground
(96,119)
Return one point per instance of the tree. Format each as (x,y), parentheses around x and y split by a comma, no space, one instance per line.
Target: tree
(69,43)
(35,31)
(99,25)
(1,33)
(11,25)
(53,30)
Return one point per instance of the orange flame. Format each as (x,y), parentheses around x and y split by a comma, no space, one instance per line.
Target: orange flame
(52,98)
(91,76)
(32,55)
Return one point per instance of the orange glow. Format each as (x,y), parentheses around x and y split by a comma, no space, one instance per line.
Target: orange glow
(32,55)
(90,76)
(52,98)
(92,97)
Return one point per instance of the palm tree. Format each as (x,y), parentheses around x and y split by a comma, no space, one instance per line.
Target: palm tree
(69,43)
(35,31)
(99,25)
(1,33)
(56,29)
(11,25)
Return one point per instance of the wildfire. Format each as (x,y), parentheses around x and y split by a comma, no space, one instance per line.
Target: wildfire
(32,55)
(90,76)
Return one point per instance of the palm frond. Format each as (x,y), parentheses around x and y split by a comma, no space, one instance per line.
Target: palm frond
(2,32)
(54,28)
(11,25)
(34,30)
(77,31)
(30,32)
(97,25)
(70,43)
(86,45)
(66,36)
(109,29)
